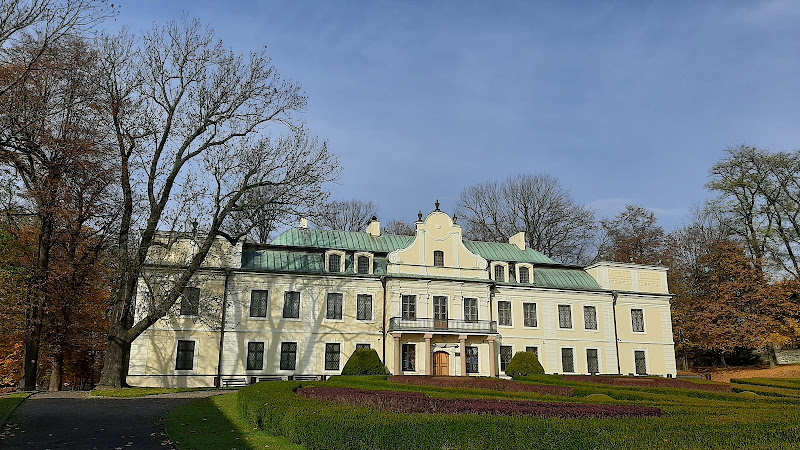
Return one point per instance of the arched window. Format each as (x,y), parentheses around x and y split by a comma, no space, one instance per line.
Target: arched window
(438,258)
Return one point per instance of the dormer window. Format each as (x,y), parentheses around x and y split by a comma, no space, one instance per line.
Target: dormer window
(524,273)
(499,271)
(363,263)
(438,258)
(334,261)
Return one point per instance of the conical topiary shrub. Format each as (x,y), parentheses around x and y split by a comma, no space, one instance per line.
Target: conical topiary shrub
(523,364)
(364,361)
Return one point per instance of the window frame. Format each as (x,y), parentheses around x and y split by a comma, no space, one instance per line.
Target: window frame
(437,262)
(572,360)
(493,268)
(195,291)
(535,350)
(247,358)
(370,268)
(286,350)
(569,311)
(633,321)
(338,354)
(408,313)
(333,311)
(525,315)
(585,324)
(597,356)
(529,267)
(178,353)
(441,304)
(341,256)
(472,363)
(265,293)
(408,357)
(500,314)
(470,309)
(643,352)
(510,354)
(363,345)
(359,298)
(299,305)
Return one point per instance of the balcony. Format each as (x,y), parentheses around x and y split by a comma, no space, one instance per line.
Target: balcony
(449,325)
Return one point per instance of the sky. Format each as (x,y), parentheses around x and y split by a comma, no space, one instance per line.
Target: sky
(625,102)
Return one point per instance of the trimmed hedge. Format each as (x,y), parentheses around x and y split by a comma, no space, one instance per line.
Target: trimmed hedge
(364,361)
(494,384)
(523,364)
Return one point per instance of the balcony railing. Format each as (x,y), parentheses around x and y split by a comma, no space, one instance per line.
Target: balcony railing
(452,325)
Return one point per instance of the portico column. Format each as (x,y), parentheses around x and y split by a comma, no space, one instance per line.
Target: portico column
(462,342)
(429,358)
(492,358)
(397,354)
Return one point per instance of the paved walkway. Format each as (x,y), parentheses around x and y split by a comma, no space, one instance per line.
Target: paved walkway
(74,420)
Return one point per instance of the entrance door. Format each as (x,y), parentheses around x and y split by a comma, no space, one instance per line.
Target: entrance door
(440,364)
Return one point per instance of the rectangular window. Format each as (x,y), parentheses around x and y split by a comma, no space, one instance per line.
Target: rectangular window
(364,307)
(438,258)
(288,355)
(363,264)
(190,301)
(592,362)
(637,320)
(258,303)
(529,315)
(471,309)
(440,309)
(499,273)
(410,307)
(567,361)
(409,357)
(505,356)
(564,316)
(641,366)
(291,305)
(334,263)
(332,356)
(504,313)
(534,350)
(524,275)
(472,359)
(363,347)
(333,309)
(255,355)
(590,317)
(185,357)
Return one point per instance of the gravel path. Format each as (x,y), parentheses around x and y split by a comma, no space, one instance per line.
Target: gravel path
(73,420)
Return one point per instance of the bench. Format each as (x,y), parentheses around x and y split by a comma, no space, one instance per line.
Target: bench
(308,378)
(231,382)
(270,378)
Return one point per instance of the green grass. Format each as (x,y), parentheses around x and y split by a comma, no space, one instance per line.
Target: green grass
(141,391)
(216,422)
(9,402)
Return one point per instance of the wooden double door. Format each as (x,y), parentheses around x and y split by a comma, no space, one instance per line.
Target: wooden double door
(441,364)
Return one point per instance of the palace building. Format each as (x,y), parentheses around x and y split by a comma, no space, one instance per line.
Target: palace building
(429,304)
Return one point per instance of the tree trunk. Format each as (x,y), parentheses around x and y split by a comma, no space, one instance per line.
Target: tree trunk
(773,358)
(31,345)
(685,360)
(57,372)
(722,360)
(115,364)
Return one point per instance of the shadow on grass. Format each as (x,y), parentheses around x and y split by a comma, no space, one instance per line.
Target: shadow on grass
(214,423)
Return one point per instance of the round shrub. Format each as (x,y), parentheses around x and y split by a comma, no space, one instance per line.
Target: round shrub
(524,364)
(364,361)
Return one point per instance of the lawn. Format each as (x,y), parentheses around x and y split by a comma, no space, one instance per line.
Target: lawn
(140,391)
(8,402)
(691,418)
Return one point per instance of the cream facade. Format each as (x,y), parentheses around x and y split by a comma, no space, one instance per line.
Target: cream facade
(431,304)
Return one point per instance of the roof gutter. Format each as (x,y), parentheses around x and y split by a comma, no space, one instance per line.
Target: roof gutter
(614,295)
(222,326)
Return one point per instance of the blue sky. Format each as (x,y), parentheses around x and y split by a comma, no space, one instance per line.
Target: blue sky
(623,102)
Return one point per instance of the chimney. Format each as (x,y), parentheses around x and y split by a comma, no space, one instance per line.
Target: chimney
(518,240)
(303,223)
(374,227)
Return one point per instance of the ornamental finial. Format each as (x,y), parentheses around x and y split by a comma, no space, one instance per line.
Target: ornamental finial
(437,204)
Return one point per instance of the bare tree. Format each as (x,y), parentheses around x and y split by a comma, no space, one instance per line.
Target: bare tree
(191,120)
(633,236)
(399,227)
(536,204)
(348,215)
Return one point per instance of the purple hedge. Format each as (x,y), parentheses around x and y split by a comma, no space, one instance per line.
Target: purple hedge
(494,384)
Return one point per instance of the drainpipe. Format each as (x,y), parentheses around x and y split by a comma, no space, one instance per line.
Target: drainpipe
(614,295)
(222,326)
(383,326)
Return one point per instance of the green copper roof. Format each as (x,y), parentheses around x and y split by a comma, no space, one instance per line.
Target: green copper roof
(298,262)
(498,251)
(342,240)
(564,278)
